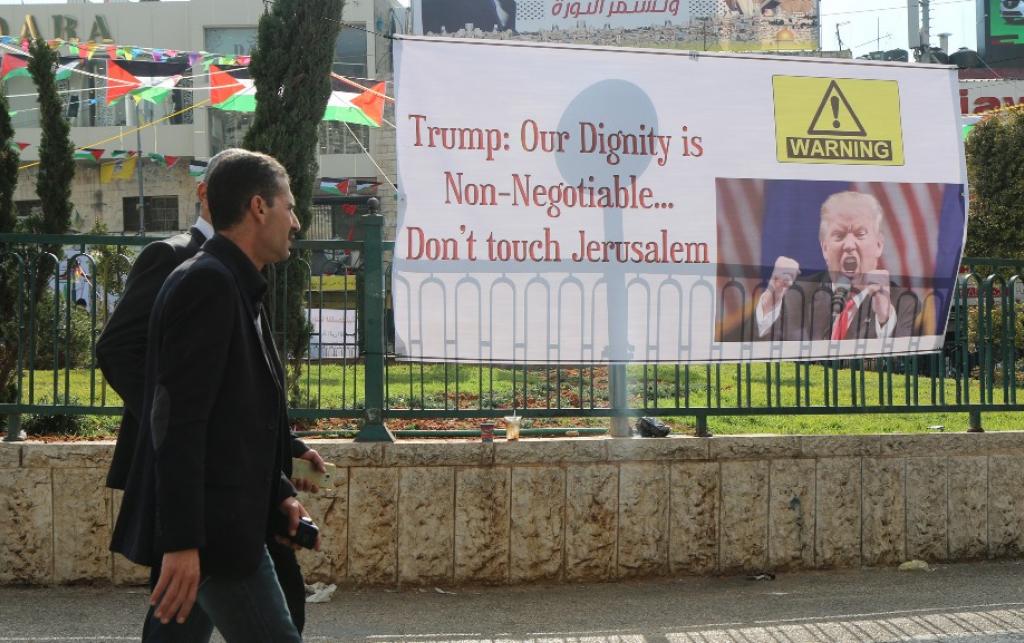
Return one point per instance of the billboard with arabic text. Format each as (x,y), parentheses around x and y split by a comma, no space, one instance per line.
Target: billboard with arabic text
(709,25)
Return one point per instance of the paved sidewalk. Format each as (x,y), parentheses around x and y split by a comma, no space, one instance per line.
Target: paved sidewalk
(979,603)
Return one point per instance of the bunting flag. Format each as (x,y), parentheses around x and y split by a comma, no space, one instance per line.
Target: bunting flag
(196,168)
(122,154)
(223,85)
(88,154)
(125,82)
(117,170)
(234,90)
(18,147)
(157,93)
(13,66)
(64,71)
(153,81)
(167,160)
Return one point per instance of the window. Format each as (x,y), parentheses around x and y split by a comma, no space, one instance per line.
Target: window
(336,138)
(227,129)
(161,213)
(350,51)
(231,41)
(28,208)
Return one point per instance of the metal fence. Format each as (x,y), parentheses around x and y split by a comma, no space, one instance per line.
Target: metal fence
(67,286)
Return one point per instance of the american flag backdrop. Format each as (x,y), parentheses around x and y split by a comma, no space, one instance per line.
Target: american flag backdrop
(758,220)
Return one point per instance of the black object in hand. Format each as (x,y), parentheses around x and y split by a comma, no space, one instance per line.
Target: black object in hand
(306,533)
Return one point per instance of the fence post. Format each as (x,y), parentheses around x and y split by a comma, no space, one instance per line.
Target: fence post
(372,309)
(702,427)
(617,384)
(974,422)
(14,431)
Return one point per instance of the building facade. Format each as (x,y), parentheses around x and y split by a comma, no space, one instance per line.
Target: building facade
(184,130)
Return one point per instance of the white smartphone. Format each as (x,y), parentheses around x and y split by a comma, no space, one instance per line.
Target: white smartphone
(305,470)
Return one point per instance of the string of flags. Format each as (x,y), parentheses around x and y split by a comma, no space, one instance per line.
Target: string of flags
(97,154)
(231,89)
(112,51)
(231,86)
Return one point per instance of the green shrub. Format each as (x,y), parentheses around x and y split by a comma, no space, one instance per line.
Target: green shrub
(74,343)
(995,335)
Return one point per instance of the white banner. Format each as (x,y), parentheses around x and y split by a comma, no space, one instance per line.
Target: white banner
(572,204)
(335,334)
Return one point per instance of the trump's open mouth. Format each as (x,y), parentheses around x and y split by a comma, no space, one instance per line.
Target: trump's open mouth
(850,264)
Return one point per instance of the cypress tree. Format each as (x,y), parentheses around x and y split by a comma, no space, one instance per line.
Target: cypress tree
(8,167)
(53,185)
(9,268)
(291,69)
(995,172)
(56,151)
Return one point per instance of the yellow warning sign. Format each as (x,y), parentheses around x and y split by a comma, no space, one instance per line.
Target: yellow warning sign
(843,121)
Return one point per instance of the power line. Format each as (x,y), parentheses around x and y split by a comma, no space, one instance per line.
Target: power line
(902,6)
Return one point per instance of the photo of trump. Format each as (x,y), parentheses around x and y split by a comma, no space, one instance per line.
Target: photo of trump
(835,261)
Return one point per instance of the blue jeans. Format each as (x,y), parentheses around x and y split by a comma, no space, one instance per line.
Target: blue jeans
(197,629)
(250,609)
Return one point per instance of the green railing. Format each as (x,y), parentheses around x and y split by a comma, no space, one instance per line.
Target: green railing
(51,345)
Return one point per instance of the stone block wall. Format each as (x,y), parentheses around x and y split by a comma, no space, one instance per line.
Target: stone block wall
(579,509)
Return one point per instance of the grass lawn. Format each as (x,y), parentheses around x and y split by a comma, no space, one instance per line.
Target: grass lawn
(748,388)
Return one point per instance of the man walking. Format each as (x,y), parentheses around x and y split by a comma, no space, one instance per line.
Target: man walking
(121,354)
(209,469)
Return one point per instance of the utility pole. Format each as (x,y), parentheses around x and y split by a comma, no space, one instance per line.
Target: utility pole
(926,49)
(839,39)
(913,26)
(704,22)
(138,168)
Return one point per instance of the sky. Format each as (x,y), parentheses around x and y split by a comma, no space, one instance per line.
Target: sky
(865,21)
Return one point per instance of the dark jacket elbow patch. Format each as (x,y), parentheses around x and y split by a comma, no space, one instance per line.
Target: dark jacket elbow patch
(159,416)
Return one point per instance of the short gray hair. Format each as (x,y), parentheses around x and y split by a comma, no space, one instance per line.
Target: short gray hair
(217,158)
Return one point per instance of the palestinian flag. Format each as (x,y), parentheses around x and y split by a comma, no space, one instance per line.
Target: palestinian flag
(157,93)
(88,154)
(334,186)
(166,160)
(64,71)
(348,104)
(367,188)
(232,90)
(18,147)
(196,168)
(144,80)
(122,154)
(13,66)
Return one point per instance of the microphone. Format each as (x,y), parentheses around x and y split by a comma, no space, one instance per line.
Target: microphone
(840,292)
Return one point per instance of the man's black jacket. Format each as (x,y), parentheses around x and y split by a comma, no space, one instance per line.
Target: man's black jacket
(121,349)
(211,465)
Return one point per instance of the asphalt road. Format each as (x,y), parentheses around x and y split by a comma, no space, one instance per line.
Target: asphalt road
(980,603)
